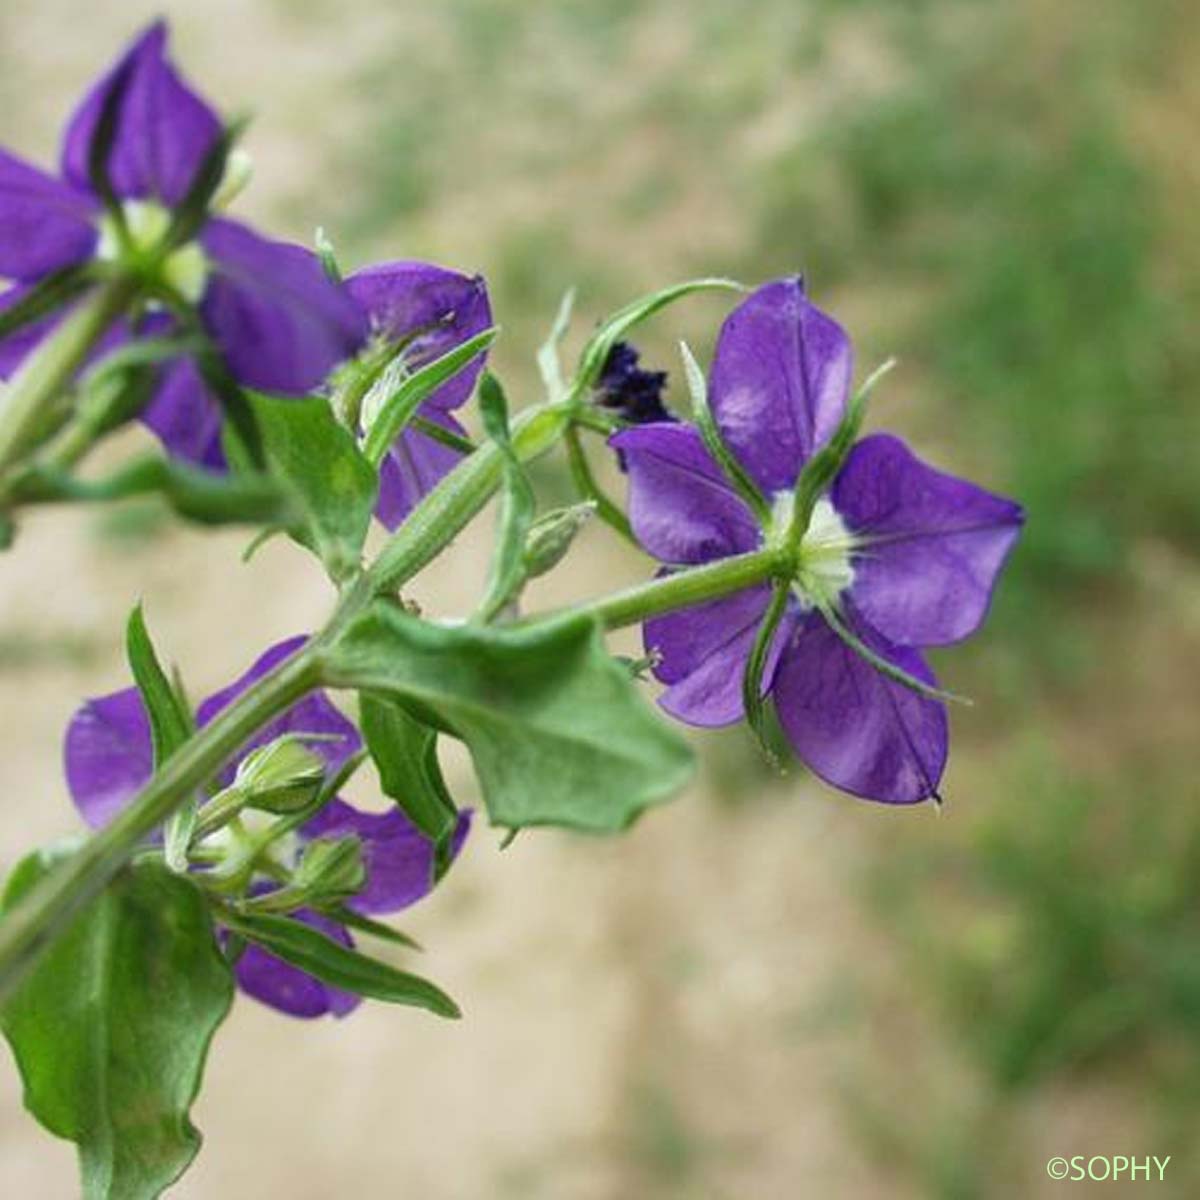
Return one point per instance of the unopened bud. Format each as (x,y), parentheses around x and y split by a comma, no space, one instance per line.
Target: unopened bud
(550,537)
(331,868)
(280,777)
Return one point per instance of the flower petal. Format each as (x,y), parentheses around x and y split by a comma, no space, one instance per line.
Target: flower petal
(314,714)
(680,505)
(702,656)
(108,754)
(438,308)
(413,466)
(44,224)
(934,548)
(281,986)
(397,855)
(281,323)
(779,381)
(855,728)
(186,417)
(164,130)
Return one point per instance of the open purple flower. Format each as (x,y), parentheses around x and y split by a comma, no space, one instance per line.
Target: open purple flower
(902,555)
(108,758)
(278,321)
(425,311)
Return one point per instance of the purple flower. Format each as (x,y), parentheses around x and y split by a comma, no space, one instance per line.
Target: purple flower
(280,324)
(904,555)
(108,758)
(426,311)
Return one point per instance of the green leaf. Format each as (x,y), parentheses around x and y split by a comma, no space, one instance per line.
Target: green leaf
(171,724)
(399,408)
(610,332)
(405,755)
(557,730)
(332,482)
(314,953)
(517,504)
(356,920)
(238,498)
(111,1027)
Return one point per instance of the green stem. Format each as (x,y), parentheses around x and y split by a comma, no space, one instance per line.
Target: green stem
(50,368)
(589,489)
(443,513)
(29,927)
(695,585)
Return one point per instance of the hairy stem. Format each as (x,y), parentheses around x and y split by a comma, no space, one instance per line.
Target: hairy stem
(48,370)
(443,513)
(693,585)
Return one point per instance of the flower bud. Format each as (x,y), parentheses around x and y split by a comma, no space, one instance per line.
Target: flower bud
(550,537)
(281,777)
(331,868)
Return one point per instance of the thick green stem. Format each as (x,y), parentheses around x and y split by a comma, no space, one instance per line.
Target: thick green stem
(24,403)
(443,513)
(29,927)
(694,585)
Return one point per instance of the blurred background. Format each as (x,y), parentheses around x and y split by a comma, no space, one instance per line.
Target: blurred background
(766,989)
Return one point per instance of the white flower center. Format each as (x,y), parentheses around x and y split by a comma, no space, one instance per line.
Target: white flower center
(185,269)
(825,568)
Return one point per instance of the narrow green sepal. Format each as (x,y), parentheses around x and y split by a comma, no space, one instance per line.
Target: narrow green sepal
(885,668)
(752,677)
(328,256)
(387,417)
(50,294)
(100,148)
(821,469)
(590,490)
(171,724)
(616,327)
(193,209)
(548,361)
(517,503)
(715,443)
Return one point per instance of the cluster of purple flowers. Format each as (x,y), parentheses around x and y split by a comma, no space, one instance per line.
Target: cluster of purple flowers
(278,321)
(897,557)
(108,757)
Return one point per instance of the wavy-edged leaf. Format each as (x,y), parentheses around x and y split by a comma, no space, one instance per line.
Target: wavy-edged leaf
(111,1027)
(557,730)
